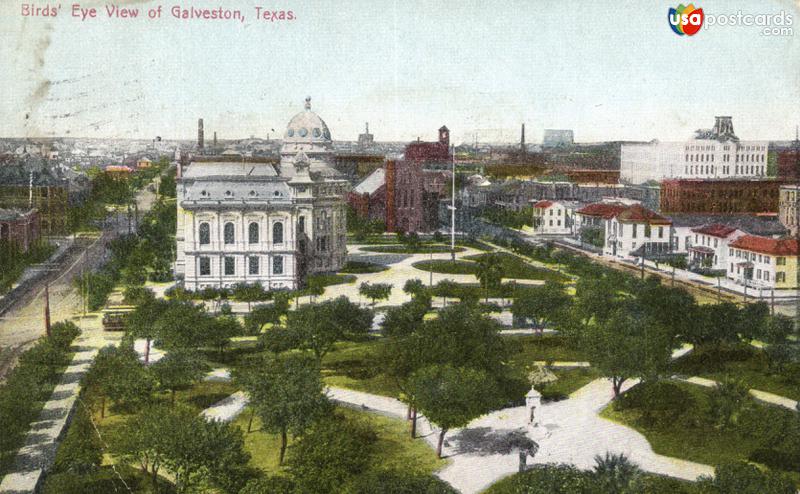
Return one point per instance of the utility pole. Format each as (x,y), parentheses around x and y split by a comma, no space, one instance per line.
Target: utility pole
(719,289)
(47,309)
(453,210)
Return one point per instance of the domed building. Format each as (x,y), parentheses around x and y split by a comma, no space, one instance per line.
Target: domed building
(241,222)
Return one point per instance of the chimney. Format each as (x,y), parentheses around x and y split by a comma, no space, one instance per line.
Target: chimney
(215,138)
(522,140)
(200,134)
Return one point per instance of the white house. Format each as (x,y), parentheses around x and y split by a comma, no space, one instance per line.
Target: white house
(763,262)
(709,245)
(637,230)
(554,217)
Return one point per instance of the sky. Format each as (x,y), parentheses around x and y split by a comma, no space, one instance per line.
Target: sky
(607,71)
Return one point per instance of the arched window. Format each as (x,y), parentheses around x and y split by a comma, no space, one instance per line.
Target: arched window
(228,233)
(205,234)
(277,233)
(252,233)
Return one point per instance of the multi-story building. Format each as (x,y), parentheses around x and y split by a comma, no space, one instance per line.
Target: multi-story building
(554,217)
(637,231)
(788,211)
(19,228)
(711,154)
(763,262)
(708,247)
(261,223)
(557,138)
(719,196)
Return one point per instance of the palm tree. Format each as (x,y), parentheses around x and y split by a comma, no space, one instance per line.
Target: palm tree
(614,472)
(489,271)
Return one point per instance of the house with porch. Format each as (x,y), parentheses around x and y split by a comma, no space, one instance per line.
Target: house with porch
(709,245)
(763,262)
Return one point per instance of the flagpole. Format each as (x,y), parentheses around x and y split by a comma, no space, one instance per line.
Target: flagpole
(453,209)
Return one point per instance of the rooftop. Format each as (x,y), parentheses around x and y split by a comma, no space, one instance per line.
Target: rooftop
(715,230)
(766,245)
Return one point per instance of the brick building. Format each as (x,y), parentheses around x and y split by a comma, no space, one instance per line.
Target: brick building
(719,196)
(19,227)
(789,207)
(789,164)
(430,152)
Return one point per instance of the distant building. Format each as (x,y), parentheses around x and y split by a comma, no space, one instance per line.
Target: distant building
(366,140)
(356,166)
(719,196)
(635,231)
(246,222)
(593,176)
(557,138)
(711,154)
(763,262)
(143,163)
(789,164)
(52,204)
(430,152)
(19,228)
(789,207)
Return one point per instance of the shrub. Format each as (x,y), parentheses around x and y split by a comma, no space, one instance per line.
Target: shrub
(63,333)
(400,483)
(81,451)
(662,403)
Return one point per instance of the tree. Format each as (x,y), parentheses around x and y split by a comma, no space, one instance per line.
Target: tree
(180,324)
(218,331)
(375,291)
(541,303)
(400,482)
(445,288)
(614,473)
(179,370)
(264,314)
(270,485)
(318,328)
(489,271)
(629,345)
(717,324)
(118,374)
(249,292)
(414,287)
(405,319)
(452,396)
(287,394)
(744,478)
(314,288)
(332,453)
(727,399)
(141,323)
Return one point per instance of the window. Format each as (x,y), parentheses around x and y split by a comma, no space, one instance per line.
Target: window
(634,231)
(205,266)
(715,243)
(252,233)
(205,234)
(277,265)
(229,233)
(780,261)
(253,265)
(780,277)
(230,266)
(277,233)
(767,259)
(301,224)
(766,275)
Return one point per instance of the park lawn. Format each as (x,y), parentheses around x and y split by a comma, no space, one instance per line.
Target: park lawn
(360,267)
(395,449)
(513,268)
(570,380)
(404,249)
(330,279)
(546,347)
(745,363)
(356,366)
(689,435)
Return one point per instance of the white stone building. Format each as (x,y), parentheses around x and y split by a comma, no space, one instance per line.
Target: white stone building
(260,223)
(710,154)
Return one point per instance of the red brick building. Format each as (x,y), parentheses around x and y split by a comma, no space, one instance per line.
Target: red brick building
(585,176)
(20,228)
(789,165)
(430,152)
(719,196)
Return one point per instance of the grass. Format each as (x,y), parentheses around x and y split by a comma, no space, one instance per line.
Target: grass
(570,380)
(546,347)
(355,365)
(395,449)
(358,267)
(513,268)
(744,363)
(404,249)
(678,422)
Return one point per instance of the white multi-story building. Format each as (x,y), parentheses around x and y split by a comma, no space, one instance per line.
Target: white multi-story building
(636,230)
(709,245)
(711,154)
(261,223)
(763,262)
(554,217)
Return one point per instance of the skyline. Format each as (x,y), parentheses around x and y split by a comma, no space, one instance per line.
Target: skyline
(406,69)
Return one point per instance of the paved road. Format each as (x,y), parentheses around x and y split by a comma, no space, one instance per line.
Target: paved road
(22,325)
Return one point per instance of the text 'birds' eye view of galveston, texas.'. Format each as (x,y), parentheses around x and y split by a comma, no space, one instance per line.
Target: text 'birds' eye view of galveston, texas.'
(399,247)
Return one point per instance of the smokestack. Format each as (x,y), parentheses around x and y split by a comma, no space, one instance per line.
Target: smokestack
(522,140)
(200,134)
(215,138)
